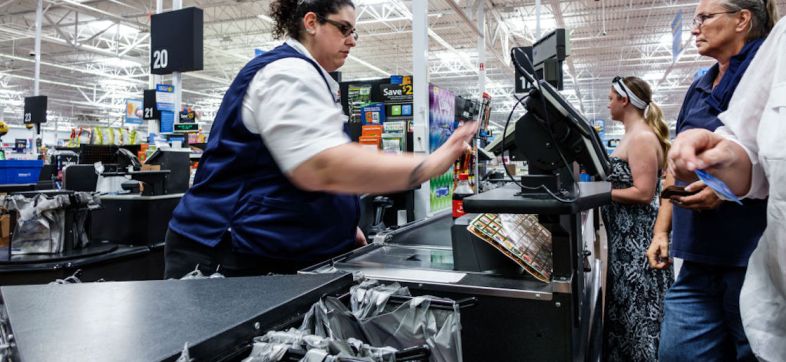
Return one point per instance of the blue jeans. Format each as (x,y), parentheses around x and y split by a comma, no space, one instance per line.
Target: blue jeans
(701,320)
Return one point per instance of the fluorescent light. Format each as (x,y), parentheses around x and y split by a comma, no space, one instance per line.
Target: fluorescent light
(119,62)
(121,29)
(266,18)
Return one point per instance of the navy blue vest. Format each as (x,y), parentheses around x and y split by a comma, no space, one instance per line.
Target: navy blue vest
(238,188)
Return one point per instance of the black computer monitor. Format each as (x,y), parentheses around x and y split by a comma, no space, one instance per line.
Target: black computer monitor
(502,143)
(553,132)
(548,53)
(177,161)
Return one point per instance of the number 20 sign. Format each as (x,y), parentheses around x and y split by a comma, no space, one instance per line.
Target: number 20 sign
(177,41)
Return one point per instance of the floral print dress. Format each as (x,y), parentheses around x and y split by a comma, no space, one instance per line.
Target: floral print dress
(634,291)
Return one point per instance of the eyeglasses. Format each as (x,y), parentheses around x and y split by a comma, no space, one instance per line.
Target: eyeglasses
(618,80)
(699,19)
(345,29)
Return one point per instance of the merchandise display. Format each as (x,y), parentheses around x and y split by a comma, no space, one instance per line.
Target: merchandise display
(373,114)
(442,122)
(520,237)
(358,95)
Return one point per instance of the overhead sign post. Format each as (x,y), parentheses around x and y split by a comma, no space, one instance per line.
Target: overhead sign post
(176,46)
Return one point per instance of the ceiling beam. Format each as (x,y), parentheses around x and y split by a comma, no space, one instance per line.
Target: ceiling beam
(472,26)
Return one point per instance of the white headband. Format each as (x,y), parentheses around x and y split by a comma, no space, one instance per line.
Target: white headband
(624,91)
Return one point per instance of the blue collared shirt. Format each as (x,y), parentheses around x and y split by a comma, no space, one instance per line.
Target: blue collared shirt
(727,235)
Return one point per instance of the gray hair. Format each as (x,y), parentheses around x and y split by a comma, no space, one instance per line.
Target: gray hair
(764,15)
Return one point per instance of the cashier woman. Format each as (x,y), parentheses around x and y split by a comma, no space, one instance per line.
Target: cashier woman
(275,188)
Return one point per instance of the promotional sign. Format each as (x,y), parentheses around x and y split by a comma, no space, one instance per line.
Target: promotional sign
(134,111)
(176,41)
(373,113)
(401,93)
(167,122)
(441,117)
(165,97)
(35,110)
(165,102)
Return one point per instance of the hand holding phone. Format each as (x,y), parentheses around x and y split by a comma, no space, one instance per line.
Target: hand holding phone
(674,190)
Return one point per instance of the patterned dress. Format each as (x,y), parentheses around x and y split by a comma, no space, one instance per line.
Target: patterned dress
(634,291)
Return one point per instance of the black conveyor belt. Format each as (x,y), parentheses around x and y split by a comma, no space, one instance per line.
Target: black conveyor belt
(152,320)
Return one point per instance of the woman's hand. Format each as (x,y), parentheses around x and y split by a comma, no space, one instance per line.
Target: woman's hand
(658,252)
(442,159)
(454,147)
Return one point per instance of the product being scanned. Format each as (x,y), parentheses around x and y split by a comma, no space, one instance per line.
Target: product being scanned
(520,237)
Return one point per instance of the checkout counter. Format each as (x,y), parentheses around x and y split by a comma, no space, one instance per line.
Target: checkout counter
(141,216)
(516,317)
(126,233)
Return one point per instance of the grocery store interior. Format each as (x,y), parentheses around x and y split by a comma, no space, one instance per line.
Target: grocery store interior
(365,180)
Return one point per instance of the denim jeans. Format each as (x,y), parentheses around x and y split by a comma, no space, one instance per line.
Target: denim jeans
(701,319)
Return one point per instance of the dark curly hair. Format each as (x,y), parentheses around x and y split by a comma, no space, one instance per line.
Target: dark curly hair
(288,14)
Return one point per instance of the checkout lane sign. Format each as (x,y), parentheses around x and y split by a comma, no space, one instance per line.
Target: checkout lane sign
(165,97)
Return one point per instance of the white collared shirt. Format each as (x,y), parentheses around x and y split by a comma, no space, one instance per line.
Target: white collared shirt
(290,107)
(756,120)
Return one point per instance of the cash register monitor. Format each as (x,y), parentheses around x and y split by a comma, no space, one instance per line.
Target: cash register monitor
(552,133)
(178,163)
(499,144)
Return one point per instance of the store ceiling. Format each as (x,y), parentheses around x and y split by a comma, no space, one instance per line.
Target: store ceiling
(95,53)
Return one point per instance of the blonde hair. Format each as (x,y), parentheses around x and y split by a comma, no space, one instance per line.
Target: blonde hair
(653,115)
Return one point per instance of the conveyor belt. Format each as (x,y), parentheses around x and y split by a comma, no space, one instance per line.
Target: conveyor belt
(152,320)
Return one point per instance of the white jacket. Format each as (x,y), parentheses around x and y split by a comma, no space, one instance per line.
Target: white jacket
(756,119)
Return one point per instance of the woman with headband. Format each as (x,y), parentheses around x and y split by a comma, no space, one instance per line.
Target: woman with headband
(715,238)
(634,293)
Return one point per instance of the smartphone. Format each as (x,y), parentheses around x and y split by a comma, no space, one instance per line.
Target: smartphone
(673,190)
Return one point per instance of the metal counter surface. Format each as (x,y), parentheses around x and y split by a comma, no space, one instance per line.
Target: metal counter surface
(152,320)
(434,231)
(140,197)
(507,200)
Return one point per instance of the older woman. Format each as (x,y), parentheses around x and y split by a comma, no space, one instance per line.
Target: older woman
(275,187)
(714,237)
(748,154)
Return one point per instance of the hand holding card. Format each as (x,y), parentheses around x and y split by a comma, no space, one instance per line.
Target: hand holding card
(718,186)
